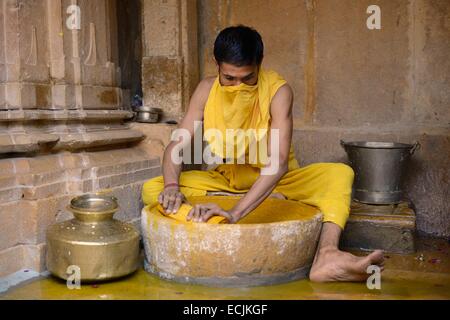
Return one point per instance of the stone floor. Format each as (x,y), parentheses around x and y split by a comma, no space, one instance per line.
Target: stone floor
(423,275)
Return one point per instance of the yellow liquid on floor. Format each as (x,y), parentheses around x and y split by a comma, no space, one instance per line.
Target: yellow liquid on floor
(141,285)
(405,277)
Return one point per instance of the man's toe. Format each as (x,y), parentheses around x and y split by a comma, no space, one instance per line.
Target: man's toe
(377,257)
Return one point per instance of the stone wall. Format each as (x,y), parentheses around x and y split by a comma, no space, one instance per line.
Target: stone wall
(353,83)
(36,191)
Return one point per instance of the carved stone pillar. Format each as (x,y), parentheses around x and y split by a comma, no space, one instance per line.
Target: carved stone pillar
(58,86)
(170,57)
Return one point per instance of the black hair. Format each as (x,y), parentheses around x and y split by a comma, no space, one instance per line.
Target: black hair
(239,46)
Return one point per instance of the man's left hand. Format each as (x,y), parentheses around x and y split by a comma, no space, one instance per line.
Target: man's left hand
(204,211)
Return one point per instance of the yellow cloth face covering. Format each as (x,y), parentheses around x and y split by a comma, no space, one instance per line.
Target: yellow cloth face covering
(326,186)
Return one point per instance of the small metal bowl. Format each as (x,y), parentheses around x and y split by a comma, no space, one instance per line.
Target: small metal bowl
(148,109)
(146,116)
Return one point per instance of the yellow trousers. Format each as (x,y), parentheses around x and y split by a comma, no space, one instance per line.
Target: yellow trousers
(326,186)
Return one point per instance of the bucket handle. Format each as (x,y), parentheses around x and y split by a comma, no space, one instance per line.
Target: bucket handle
(415,147)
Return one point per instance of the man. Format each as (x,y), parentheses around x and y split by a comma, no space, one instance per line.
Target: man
(245,96)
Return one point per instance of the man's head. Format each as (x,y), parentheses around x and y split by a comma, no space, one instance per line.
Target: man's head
(238,52)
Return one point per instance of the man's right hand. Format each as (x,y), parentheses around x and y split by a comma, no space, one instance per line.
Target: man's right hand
(171,199)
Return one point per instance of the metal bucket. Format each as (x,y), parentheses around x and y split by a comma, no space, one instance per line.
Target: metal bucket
(379,169)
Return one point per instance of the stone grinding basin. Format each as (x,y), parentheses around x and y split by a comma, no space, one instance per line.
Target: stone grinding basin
(273,244)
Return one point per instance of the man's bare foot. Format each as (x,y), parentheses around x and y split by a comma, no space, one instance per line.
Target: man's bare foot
(331,264)
(277,195)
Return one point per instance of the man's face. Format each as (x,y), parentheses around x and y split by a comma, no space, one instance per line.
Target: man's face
(231,75)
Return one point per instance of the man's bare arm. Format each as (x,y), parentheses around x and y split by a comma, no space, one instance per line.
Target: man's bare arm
(171,198)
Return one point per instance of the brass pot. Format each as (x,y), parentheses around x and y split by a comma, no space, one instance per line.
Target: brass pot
(103,248)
